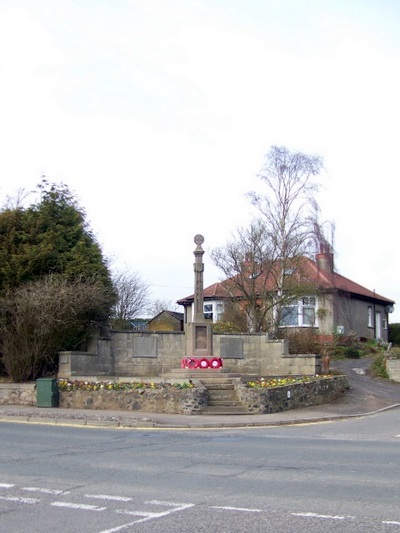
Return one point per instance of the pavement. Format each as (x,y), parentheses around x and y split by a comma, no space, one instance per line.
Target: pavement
(366,396)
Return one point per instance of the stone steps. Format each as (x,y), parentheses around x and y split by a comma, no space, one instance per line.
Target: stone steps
(222,398)
(213,410)
(208,373)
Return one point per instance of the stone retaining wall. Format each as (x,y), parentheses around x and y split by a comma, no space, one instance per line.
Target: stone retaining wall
(168,399)
(17,394)
(276,399)
(172,400)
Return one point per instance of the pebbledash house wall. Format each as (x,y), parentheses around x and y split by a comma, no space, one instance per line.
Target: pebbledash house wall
(146,354)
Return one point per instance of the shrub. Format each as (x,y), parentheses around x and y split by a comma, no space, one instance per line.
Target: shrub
(347,340)
(40,318)
(351,353)
(302,342)
(394,353)
(378,366)
(226,327)
(394,334)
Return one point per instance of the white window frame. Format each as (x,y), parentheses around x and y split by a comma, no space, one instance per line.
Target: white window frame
(303,319)
(219,311)
(370,321)
(214,308)
(208,309)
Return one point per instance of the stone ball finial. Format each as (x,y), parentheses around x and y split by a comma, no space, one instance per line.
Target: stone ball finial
(199,239)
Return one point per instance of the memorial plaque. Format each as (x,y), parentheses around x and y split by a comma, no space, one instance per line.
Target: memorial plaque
(232,348)
(145,347)
(201,338)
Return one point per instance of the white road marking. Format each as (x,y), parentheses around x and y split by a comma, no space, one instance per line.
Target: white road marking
(80,506)
(108,497)
(6,486)
(150,516)
(137,513)
(315,515)
(44,491)
(19,500)
(227,508)
(392,522)
(168,504)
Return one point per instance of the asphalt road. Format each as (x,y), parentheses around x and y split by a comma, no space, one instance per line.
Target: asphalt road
(340,476)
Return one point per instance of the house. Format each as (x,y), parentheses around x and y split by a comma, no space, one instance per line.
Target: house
(335,305)
(166,321)
(139,324)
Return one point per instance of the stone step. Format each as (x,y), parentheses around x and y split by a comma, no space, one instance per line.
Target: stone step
(218,386)
(208,373)
(224,410)
(224,397)
(224,403)
(222,394)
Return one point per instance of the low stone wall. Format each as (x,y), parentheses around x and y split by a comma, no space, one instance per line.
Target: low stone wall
(276,399)
(169,400)
(393,369)
(17,394)
(172,400)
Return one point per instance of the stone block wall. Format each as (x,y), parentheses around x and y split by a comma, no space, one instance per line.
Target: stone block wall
(393,368)
(254,354)
(17,394)
(152,354)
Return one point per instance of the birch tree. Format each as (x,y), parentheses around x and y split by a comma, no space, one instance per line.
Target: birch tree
(263,262)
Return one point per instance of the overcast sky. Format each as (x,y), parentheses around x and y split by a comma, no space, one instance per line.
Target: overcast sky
(157,114)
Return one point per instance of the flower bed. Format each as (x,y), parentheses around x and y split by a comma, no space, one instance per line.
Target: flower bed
(67,385)
(279,382)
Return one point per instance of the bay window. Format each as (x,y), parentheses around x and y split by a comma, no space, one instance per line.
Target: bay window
(300,313)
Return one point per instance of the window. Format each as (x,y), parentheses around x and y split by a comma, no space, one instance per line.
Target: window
(213,311)
(208,311)
(384,323)
(301,313)
(370,324)
(220,311)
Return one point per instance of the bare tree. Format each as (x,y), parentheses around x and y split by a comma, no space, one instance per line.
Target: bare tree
(133,298)
(245,262)
(40,318)
(289,207)
(155,307)
(263,262)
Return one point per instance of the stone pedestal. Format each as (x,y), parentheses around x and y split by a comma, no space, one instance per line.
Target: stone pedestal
(198,339)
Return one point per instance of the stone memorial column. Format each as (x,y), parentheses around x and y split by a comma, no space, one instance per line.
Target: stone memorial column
(198,332)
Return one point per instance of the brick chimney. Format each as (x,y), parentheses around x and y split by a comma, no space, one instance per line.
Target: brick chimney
(324,260)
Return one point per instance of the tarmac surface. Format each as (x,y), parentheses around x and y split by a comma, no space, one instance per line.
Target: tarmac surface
(367,396)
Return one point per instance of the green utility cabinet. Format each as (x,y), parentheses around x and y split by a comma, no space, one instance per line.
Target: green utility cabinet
(47,394)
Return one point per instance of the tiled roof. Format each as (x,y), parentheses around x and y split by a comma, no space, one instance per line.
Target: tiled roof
(311,273)
(174,314)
